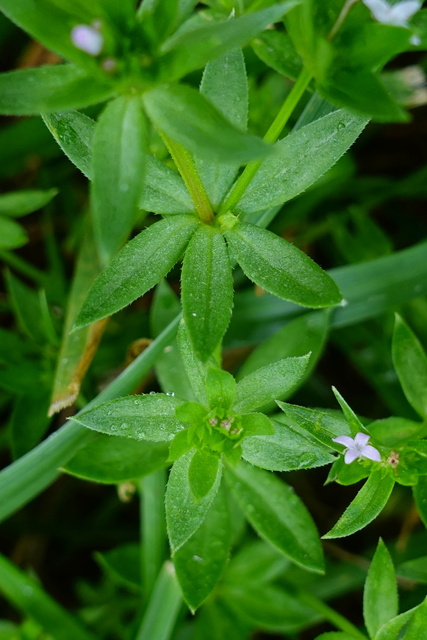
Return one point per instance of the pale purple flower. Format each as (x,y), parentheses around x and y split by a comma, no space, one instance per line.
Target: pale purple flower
(358,447)
(88,39)
(396,14)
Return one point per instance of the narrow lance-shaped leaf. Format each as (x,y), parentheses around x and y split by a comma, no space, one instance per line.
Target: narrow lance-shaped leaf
(280,268)
(366,506)
(277,514)
(207,289)
(189,118)
(119,144)
(196,369)
(418,624)
(191,50)
(353,421)
(391,630)
(300,159)
(163,190)
(200,562)
(185,514)
(148,417)
(20,203)
(410,362)
(137,267)
(380,592)
(268,383)
(225,84)
(51,88)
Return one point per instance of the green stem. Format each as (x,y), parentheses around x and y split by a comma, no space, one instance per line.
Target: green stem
(330,614)
(163,607)
(27,596)
(153,530)
(271,136)
(186,167)
(32,473)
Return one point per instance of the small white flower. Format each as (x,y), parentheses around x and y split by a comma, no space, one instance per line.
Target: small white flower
(397,14)
(358,447)
(88,39)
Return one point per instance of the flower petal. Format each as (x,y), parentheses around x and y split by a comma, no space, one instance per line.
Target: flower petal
(371,453)
(345,440)
(350,456)
(361,439)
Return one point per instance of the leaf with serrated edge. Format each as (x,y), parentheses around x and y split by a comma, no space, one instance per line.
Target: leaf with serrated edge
(137,267)
(280,267)
(410,362)
(207,289)
(380,592)
(277,514)
(185,514)
(366,506)
(148,417)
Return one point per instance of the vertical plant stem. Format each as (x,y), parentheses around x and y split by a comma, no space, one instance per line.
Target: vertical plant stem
(186,167)
(153,530)
(163,607)
(330,614)
(271,136)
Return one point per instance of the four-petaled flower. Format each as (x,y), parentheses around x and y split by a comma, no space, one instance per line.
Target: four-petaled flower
(397,14)
(358,447)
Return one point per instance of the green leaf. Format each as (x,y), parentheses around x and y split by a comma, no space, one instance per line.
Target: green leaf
(185,514)
(220,388)
(366,506)
(410,362)
(191,50)
(200,562)
(281,268)
(300,159)
(353,421)
(119,144)
(256,424)
(124,563)
(390,631)
(207,289)
(285,450)
(268,383)
(276,50)
(28,596)
(112,460)
(20,203)
(12,235)
(163,190)
(415,569)
(189,118)
(319,424)
(29,421)
(420,496)
(418,624)
(148,417)
(51,88)
(335,635)
(202,473)
(380,593)
(394,431)
(196,369)
(137,267)
(224,83)
(277,514)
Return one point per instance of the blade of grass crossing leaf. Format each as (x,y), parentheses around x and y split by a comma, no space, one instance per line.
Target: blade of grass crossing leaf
(25,594)
(281,268)
(380,593)
(51,88)
(225,84)
(207,289)
(189,118)
(119,145)
(410,362)
(366,506)
(200,561)
(141,264)
(277,514)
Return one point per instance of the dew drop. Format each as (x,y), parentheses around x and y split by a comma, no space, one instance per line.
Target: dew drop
(341,125)
(170,393)
(152,393)
(109,413)
(194,315)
